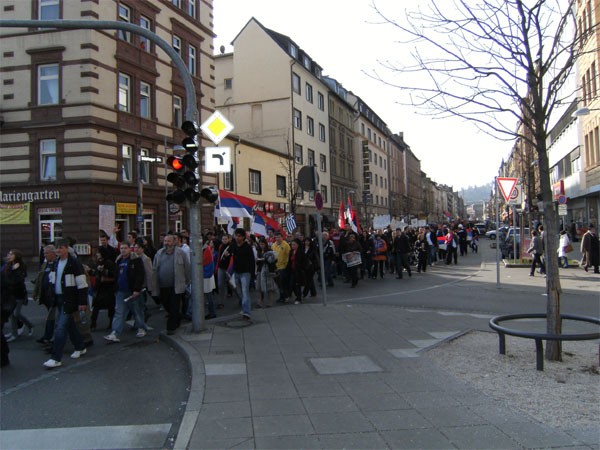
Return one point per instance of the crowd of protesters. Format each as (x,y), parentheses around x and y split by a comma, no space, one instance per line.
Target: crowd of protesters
(130,278)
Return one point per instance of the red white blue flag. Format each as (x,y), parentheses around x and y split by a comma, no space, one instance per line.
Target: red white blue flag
(233,205)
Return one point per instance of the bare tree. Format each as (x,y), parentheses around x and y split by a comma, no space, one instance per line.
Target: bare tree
(497,64)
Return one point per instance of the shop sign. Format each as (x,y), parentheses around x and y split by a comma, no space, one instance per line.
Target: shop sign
(49,210)
(126,208)
(15,214)
(31,196)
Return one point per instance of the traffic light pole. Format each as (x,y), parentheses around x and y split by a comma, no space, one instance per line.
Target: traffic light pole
(191,114)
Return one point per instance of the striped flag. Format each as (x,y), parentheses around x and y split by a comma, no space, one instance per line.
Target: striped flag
(290,222)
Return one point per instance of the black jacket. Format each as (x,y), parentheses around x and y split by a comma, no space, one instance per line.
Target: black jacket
(73,282)
(243,258)
(135,274)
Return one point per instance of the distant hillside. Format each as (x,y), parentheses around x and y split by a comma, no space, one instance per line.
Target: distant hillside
(474,194)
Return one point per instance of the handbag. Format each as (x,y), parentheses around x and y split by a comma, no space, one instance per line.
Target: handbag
(568,248)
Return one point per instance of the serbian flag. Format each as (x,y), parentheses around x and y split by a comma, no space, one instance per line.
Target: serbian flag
(263,223)
(341,221)
(350,216)
(233,205)
(233,223)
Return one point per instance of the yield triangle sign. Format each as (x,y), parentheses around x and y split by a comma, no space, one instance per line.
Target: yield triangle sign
(506,186)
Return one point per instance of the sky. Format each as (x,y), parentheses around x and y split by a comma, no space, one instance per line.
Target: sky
(346,38)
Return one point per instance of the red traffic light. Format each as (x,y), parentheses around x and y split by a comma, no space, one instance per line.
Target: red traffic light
(175,163)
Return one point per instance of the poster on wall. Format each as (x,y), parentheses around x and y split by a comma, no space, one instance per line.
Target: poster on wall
(106,218)
(15,213)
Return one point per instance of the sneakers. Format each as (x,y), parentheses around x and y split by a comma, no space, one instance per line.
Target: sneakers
(141,333)
(112,337)
(10,338)
(78,353)
(30,332)
(20,330)
(52,364)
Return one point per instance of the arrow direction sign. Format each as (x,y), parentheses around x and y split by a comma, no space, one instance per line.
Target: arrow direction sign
(506,186)
(217,159)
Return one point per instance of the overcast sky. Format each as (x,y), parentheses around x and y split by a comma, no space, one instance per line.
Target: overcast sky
(346,39)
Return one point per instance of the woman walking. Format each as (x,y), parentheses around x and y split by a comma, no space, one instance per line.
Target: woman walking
(536,249)
(297,269)
(563,251)
(104,295)
(311,268)
(14,274)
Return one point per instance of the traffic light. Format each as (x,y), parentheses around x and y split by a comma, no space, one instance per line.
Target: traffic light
(210,194)
(176,178)
(189,163)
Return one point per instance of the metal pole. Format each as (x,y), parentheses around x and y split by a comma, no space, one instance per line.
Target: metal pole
(140,193)
(321,257)
(166,190)
(497,233)
(191,113)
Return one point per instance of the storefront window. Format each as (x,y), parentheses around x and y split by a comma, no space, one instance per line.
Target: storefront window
(50,228)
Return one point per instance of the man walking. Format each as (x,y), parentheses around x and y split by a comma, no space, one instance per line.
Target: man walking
(282,250)
(171,270)
(402,248)
(43,294)
(129,282)
(243,267)
(69,285)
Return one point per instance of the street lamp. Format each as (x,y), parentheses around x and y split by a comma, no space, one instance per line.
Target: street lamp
(584,111)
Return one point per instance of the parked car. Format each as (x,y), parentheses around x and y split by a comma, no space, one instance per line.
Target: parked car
(493,233)
(481,228)
(507,247)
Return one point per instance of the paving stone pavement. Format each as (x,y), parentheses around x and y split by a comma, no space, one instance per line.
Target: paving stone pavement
(345,376)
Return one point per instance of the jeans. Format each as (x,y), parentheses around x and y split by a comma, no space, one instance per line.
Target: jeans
(17,315)
(328,272)
(242,283)
(432,255)
(121,306)
(283,284)
(223,285)
(65,325)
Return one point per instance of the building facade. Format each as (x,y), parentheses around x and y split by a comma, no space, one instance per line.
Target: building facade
(81,107)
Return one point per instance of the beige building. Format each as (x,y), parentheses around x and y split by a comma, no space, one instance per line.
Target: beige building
(80,107)
(274,94)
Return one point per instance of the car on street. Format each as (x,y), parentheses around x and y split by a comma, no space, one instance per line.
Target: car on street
(481,228)
(493,233)
(507,247)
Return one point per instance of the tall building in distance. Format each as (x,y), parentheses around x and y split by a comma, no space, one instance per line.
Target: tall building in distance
(81,107)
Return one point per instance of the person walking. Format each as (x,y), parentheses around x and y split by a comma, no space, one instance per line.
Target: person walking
(564,247)
(224,260)
(171,275)
(282,250)
(208,275)
(104,295)
(451,247)
(402,245)
(44,296)
(380,255)
(422,248)
(590,248)
(536,249)
(69,285)
(353,250)
(129,282)
(312,266)
(243,267)
(297,265)
(14,274)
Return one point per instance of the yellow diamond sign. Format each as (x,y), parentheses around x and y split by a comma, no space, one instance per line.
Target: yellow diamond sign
(216,127)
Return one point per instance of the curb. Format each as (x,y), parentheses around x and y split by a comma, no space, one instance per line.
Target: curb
(197,386)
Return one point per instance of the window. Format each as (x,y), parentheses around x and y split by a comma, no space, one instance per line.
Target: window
(177,3)
(376,180)
(281,186)
(350,171)
(126,152)
(228,179)
(48,159)
(145,100)
(124,16)
(310,160)
(310,126)
(124,93)
(192,8)
(49,10)
(322,132)
(144,41)
(385,164)
(306,62)
(297,119)
(322,163)
(228,82)
(308,91)
(293,50)
(324,193)
(177,111)
(321,101)
(299,193)
(255,185)
(50,228)
(192,59)
(144,166)
(48,86)
(296,83)
(298,153)
(311,195)
(177,44)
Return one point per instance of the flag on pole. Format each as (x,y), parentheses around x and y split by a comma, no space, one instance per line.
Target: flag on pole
(263,223)
(233,224)
(350,215)
(290,222)
(341,221)
(233,205)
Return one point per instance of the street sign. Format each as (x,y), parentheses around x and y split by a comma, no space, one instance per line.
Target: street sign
(173,208)
(562,199)
(156,159)
(308,178)
(516,196)
(319,201)
(562,209)
(506,186)
(216,127)
(217,160)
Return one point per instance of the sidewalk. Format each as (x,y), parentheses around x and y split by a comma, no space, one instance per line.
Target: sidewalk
(348,376)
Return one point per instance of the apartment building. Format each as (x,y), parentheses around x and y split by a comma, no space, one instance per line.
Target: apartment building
(79,109)
(275,95)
